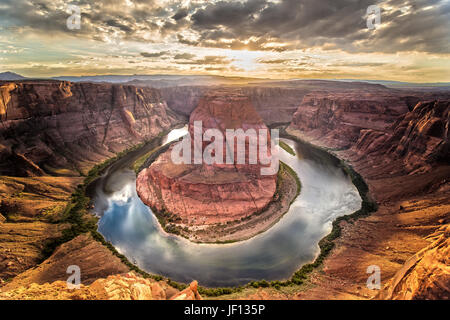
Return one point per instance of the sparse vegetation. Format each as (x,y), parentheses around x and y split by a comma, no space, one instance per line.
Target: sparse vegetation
(287,148)
(76,211)
(285,167)
(141,160)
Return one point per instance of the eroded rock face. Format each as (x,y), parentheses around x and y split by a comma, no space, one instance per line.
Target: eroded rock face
(338,117)
(95,260)
(209,194)
(48,125)
(127,286)
(420,137)
(402,161)
(378,123)
(190,293)
(273,104)
(426,275)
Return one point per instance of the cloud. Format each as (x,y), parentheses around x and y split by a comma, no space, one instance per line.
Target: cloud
(412,41)
(154,54)
(407,25)
(331,24)
(185,56)
(207,60)
(359,64)
(274,61)
(182,13)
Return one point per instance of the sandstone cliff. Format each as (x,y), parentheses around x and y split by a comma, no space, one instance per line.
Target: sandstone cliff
(273,104)
(204,194)
(95,261)
(339,118)
(336,118)
(426,275)
(52,132)
(401,150)
(49,125)
(127,286)
(420,137)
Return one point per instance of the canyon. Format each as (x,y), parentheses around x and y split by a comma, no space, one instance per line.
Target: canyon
(404,160)
(53,132)
(275,102)
(47,126)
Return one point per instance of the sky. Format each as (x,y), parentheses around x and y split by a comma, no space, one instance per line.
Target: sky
(277,39)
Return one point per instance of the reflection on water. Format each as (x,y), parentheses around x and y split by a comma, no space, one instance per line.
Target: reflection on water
(273,255)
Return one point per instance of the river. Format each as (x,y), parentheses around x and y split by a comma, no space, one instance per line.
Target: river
(326,193)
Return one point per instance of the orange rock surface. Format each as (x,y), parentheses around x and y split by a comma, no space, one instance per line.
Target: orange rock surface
(426,275)
(116,287)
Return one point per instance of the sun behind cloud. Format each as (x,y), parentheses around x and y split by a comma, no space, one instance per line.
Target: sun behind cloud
(254,38)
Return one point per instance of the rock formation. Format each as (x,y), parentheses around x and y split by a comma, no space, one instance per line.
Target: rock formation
(95,260)
(127,286)
(420,138)
(336,118)
(340,118)
(400,147)
(49,125)
(207,194)
(426,275)
(51,133)
(183,100)
(273,104)
(190,293)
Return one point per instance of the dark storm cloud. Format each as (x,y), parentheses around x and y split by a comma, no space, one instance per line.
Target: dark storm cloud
(407,25)
(226,13)
(309,21)
(115,23)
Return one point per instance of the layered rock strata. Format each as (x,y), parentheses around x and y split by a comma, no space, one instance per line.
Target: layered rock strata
(127,286)
(273,104)
(49,125)
(51,134)
(202,194)
(401,150)
(426,275)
